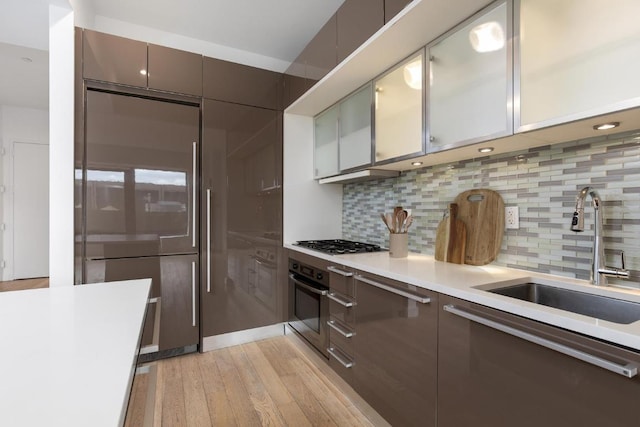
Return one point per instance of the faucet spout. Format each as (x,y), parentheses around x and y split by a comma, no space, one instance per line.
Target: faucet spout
(599,271)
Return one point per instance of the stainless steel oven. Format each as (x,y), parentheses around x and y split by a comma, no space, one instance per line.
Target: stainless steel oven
(308,303)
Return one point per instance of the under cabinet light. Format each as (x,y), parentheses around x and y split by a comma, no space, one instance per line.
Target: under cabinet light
(485,149)
(606,126)
(416,163)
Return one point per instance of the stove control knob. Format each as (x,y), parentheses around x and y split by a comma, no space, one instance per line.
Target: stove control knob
(294,266)
(319,276)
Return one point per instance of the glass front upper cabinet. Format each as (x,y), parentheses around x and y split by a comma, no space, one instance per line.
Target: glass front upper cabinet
(326,143)
(398,111)
(355,130)
(578,58)
(470,81)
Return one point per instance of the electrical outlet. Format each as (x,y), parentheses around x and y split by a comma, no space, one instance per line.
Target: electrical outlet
(511,217)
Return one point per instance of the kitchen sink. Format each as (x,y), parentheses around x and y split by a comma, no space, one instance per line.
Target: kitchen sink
(600,307)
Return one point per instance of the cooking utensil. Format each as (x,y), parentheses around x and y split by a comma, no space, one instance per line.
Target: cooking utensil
(384,219)
(482,210)
(401,217)
(451,237)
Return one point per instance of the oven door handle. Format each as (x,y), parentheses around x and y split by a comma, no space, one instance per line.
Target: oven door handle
(307,287)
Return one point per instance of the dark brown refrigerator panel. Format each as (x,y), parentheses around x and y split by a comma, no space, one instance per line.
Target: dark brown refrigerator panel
(114,59)
(396,351)
(487,377)
(174,283)
(241,211)
(141,170)
(175,70)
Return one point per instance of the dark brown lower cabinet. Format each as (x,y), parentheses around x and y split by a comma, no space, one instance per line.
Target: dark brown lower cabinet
(396,355)
(342,321)
(489,377)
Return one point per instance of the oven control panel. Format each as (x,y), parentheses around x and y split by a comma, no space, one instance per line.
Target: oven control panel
(308,271)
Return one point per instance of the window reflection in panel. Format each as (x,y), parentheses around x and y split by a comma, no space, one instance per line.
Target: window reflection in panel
(105,201)
(161,199)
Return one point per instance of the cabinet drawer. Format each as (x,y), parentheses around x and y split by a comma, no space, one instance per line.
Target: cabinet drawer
(341,280)
(341,308)
(341,362)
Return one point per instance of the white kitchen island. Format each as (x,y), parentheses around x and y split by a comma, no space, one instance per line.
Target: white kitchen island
(68,354)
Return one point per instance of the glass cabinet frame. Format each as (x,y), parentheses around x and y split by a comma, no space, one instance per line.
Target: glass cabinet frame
(420,52)
(509,74)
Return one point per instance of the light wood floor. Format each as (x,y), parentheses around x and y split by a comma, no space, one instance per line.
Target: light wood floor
(23,284)
(275,382)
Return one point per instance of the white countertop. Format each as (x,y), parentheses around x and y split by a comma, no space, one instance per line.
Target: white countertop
(461,281)
(68,353)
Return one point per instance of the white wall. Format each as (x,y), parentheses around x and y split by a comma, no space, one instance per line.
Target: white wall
(17,124)
(61,128)
(311,211)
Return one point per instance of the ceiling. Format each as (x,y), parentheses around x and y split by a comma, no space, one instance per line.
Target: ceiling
(277,29)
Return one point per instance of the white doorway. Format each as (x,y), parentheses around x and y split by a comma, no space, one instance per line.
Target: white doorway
(27,251)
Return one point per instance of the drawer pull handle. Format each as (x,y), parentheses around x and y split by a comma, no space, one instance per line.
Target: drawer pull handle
(629,370)
(346,363)
(343,302)
(333,325)
(340,272)
(418,298)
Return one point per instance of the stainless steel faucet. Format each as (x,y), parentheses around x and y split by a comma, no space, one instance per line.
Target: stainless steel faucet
(599,272)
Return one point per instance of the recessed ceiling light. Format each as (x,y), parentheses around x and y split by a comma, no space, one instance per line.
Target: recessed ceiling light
(605,126)
(416,163)
(26,59)
(485,149)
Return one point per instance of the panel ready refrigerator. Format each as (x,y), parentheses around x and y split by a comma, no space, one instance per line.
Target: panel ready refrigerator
(139,209)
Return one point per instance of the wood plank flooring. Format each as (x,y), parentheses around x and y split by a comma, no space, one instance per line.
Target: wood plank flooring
(274,382)
(24,284)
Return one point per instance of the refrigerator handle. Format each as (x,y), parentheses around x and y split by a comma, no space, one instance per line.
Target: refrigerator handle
(193,293)
(193,195)
(208,240)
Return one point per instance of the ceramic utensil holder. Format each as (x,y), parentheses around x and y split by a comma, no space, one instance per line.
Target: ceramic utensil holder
(398,245)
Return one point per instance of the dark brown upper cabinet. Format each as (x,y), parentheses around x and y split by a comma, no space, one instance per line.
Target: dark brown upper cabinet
(114,59)
(319,56)
(174,70)
(357,20)
(231,82)
(393,7)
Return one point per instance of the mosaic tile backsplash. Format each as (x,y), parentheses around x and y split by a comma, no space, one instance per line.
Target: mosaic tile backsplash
(543,182)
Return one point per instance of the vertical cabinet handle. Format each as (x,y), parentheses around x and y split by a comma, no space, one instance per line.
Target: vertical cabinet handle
(208,240)
(194,166)
(193,293)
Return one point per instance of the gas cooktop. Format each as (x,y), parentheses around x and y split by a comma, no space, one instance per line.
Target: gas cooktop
(338,246)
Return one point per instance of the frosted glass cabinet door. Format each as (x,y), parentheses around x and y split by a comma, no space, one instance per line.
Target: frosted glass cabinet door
(326,143)
(469,94)
(355,130)
(399,112)
(578,58)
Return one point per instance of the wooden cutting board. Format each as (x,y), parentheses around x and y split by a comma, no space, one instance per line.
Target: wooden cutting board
(482,211)
(451,237)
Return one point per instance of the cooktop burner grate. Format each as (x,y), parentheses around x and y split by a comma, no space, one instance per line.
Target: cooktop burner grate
(338,246)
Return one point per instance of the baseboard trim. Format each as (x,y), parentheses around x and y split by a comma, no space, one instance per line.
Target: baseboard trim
(241,337)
